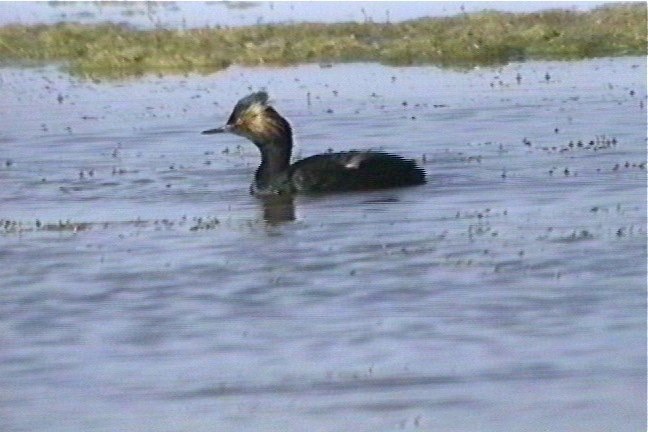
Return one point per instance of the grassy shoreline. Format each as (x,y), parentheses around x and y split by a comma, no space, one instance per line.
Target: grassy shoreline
(484,38)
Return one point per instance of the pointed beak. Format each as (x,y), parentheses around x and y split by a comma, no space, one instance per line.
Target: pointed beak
(226,128)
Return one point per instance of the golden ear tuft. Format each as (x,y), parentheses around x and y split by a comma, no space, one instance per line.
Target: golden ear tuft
(259,122)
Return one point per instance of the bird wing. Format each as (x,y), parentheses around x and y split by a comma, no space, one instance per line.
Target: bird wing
(354,170)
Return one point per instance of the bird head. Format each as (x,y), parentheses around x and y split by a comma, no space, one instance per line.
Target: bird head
(254,119)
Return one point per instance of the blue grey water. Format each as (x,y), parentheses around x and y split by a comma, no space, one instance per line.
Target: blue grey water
(191,14)
(142,288)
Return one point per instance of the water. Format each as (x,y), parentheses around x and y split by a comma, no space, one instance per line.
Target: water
(193,14)
(142,288)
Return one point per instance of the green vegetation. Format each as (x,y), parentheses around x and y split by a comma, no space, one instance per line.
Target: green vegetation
(485,38)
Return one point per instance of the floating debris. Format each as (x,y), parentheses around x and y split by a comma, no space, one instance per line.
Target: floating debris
(207,224)
(599,143)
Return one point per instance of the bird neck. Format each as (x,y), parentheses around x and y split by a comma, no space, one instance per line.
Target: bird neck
(275,160)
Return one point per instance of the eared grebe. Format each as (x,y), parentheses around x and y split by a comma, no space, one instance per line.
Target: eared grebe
(257,121)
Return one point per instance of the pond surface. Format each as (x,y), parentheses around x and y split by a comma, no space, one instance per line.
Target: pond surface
(142,288)
(192,14)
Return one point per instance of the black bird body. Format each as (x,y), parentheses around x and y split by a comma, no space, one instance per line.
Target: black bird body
(254,119)
(354,170)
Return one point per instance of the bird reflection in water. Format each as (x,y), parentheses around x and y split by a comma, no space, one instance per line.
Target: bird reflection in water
(278,209)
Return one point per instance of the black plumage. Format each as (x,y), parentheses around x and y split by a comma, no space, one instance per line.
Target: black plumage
(254,119)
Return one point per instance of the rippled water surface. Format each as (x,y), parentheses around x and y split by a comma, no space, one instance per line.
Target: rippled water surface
(142,288)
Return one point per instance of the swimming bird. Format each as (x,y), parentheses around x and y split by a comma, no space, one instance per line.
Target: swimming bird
(254,119)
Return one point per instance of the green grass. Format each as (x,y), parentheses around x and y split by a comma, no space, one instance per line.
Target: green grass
(484,38)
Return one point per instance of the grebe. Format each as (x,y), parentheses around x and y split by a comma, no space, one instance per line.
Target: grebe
(254,119)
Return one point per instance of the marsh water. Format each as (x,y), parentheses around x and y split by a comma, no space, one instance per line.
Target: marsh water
(194,14)
(142,288)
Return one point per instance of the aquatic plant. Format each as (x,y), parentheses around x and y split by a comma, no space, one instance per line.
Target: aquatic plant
(466,40)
